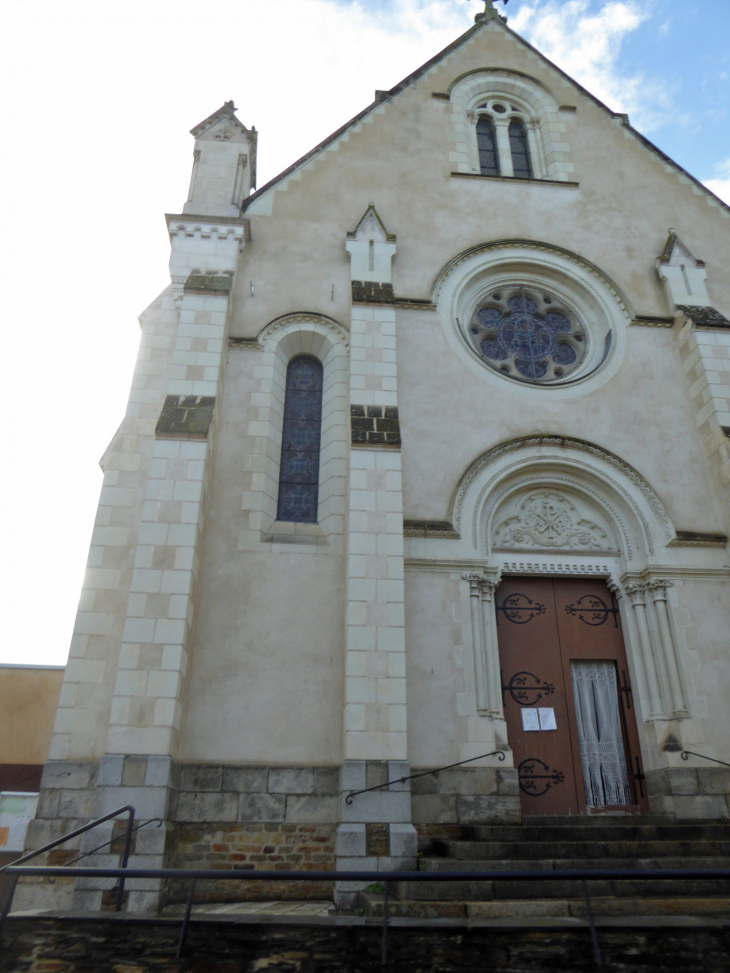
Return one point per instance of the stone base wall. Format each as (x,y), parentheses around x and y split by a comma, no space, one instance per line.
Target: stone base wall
(465,795)
(702,793)
(257,795)
(255,847)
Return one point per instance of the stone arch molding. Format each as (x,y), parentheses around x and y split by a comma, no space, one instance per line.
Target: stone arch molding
(299,333)
(551,154)
(559,496)
(303,333)
(603,309)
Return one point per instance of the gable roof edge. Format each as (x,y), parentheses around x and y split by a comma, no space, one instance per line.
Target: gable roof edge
(395,90)
(424,68)
(625,119)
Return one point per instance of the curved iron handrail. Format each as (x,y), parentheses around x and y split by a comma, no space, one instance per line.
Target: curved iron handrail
(690,753)
(123,859)
(401,780)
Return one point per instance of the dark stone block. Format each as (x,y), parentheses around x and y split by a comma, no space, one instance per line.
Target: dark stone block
(363,424)
(185,417)
(375,411)
(391,412)
(376,437)
(372,292)
(387,425)
(208,284)
(393,438)
(357,410)
(359,436)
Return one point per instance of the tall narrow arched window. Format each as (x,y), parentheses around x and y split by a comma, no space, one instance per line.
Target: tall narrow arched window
(520,149)
(487,144)
(299,470)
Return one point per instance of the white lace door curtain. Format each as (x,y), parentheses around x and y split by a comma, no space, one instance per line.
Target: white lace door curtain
(599,733)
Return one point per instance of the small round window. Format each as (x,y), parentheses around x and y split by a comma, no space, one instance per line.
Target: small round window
(528,334)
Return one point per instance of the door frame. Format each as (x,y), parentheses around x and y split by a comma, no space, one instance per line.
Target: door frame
(632,740)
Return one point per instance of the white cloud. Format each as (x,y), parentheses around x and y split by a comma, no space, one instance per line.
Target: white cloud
(102,96)
(587,46)
(720,186)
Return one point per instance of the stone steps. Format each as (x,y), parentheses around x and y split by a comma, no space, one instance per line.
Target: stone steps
(717,907)
(605,832)
(557,889)
(606,842)
(485,851)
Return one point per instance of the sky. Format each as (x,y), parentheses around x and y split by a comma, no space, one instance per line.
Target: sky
(98,97)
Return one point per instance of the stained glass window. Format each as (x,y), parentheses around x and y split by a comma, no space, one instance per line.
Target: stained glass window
(528,334)
(486,142)
(299,472)
(520,149)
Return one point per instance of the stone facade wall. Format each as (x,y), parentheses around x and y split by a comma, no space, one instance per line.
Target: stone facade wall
(256,795)
(690,792)
(442,802)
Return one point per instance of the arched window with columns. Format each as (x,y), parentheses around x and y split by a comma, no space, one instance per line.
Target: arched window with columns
(528,126)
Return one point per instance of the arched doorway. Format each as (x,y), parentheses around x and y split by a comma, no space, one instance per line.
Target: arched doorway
(567,696)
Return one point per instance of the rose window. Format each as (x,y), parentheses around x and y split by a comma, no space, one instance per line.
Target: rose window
(528,335)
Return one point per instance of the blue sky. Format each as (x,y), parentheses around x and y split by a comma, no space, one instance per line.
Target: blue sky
(102,94)
(675,66)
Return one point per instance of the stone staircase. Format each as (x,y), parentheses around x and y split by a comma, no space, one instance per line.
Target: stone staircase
(554,844)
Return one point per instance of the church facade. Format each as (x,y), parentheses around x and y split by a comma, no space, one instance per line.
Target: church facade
(426,462)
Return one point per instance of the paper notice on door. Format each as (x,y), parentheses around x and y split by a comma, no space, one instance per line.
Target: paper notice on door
(530,719)
(547,718)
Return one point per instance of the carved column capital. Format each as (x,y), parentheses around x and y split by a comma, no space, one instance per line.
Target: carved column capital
(636,592)
(614,588)
(489,586)
(475,582)
(658,588)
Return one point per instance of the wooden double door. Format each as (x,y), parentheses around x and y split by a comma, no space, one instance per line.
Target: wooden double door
(567,697)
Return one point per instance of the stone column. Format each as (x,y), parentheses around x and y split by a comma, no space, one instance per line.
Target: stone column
(491,648)
(658,590)
(375,830)
(536,156)
(481,681)
(637,596)
(501,128)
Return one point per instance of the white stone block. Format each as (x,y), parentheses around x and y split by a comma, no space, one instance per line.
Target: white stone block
(190,490)
(93,623)
(163,683)
(176,582)
(169,630)
(130,682)
(363,589)
(360,638)
(138,629)
(356,613)
(128,656)
(350,840)
(389,590)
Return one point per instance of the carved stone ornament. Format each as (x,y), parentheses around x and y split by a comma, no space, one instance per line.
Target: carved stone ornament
(547,519)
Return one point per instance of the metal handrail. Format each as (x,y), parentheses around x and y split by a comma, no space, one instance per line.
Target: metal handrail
(583,875)
(123,858)
(690,753)
(425,773)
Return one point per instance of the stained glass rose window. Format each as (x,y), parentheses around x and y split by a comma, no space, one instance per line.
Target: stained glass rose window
(528,334)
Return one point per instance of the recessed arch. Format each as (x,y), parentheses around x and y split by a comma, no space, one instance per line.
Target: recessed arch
(521,95)
(587,476)
(280,341)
